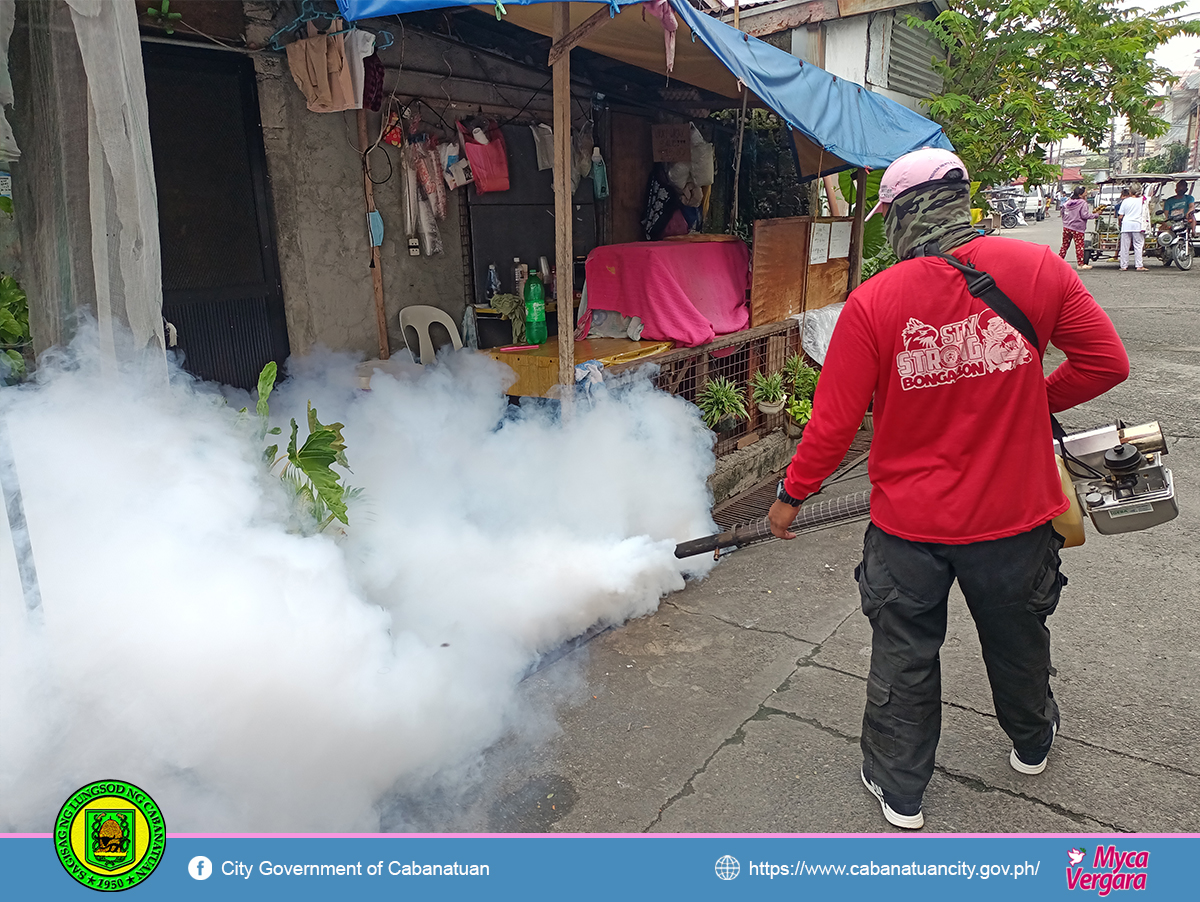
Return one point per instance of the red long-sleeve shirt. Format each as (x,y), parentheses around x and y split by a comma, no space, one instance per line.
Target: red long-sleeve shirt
(962,447)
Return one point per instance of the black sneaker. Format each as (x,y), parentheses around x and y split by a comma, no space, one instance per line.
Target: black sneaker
(1021,766)
(908,817)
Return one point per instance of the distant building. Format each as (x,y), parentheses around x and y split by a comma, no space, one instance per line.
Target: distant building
(864,41)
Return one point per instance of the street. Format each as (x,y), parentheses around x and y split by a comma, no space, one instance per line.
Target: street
(737,706)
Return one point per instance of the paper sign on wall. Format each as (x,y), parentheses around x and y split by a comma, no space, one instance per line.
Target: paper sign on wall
(839,240)
(818,244)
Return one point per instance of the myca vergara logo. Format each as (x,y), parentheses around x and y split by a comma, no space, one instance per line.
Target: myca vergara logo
(1110,870)
(110,835)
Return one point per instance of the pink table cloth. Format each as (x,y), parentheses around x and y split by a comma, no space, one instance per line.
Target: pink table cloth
(688,292)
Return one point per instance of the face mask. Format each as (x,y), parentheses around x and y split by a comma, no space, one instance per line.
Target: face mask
(937,211)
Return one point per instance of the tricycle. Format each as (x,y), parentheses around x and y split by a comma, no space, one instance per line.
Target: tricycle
(1168,242)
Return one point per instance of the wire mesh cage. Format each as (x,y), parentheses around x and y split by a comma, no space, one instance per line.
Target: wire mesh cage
(684,372)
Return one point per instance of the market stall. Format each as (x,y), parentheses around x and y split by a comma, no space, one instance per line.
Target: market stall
(835,126)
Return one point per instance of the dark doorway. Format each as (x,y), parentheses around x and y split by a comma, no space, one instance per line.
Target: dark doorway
(220,271)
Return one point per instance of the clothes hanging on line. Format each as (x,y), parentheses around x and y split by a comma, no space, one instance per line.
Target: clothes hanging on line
(319,67)
(373,82)
(359,45)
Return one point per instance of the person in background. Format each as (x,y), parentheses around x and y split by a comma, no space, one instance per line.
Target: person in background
(1130,211)
(1181,206)
(1075,215)
(964,482)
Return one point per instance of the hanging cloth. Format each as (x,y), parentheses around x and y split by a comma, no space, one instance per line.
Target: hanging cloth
(318,66)
(359,45)
(373,83)
(661,10)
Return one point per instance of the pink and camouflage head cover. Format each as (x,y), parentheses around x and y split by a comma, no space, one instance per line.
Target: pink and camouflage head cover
(929,164)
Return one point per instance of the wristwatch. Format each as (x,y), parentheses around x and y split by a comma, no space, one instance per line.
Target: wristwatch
(783,496)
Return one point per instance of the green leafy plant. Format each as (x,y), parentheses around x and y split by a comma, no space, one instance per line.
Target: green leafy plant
(874,239)
(801,377)
(800,410)
(872,266)
(1172,159)
(767,388)
(14,326)
(721,398)
(320,494)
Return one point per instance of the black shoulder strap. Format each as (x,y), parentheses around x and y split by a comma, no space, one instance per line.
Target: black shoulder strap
(981,285)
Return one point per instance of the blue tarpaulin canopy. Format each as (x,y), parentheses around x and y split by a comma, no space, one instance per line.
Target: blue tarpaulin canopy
(837,124)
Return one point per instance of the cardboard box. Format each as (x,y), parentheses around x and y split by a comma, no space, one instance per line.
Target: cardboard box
(671,143)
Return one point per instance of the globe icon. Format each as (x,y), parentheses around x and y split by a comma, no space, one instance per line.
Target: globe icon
(728,867)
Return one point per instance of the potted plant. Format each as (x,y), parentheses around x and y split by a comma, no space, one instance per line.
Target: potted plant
(799,411)
(800,377)
(722,404)
(767,391)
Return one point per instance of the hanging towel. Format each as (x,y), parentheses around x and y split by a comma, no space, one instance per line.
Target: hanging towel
(359,45)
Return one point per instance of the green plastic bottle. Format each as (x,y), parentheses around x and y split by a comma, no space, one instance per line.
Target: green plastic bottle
(535,309)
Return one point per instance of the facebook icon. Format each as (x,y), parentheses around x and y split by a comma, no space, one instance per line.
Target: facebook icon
(200,868)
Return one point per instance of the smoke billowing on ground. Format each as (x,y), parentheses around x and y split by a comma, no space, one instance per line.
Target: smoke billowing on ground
(255,679)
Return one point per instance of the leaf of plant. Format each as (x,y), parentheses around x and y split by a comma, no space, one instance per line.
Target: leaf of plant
(266,382)
(10,329)
(339,444)
(315,459)
(874,237)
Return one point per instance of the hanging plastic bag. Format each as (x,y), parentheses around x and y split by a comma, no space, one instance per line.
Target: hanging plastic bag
(393,132)
(543,145)
(431,238)
(455,168)
(582,152)
(426,164)
(678,174)
(703,159)
(489,162)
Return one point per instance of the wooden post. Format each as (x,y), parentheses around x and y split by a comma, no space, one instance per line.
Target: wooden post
(376,267)
(564,242)
(856,231)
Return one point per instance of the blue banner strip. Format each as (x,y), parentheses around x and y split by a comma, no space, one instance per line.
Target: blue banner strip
(926,868)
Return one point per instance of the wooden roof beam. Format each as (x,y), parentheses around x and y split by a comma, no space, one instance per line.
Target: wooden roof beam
(576,35)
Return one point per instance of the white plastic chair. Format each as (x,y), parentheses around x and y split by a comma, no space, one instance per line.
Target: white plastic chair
(420,317)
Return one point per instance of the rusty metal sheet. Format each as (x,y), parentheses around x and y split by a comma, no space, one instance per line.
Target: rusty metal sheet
(764,23)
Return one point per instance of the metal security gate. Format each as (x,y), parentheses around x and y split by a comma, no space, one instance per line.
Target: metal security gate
(220,271)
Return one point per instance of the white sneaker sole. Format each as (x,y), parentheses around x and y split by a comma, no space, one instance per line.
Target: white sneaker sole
(904,821)
(1031,770)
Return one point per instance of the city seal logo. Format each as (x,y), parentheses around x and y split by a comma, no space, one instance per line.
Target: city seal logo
(110,835)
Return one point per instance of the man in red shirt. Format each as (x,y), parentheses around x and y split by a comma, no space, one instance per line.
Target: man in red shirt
(964,482)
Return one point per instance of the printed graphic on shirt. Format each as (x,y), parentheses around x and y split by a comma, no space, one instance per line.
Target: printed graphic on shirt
(961,350)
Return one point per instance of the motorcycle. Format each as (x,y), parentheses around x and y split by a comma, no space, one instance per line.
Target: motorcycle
(1175,244)
(1011,207)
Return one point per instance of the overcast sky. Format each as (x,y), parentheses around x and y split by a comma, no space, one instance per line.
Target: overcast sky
(1180,53)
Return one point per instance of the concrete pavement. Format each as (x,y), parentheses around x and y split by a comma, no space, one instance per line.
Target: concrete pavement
(737,706)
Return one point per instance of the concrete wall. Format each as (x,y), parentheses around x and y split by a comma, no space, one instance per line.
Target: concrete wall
(317,187)
(321,228)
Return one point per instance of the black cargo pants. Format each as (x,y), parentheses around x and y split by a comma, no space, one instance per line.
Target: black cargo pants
(1011,586)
